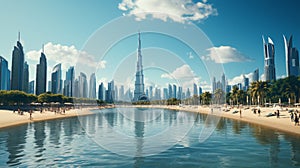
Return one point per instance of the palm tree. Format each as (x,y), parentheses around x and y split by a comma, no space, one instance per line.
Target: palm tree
(206,98)
(259,90)
(218,95)
(234,94)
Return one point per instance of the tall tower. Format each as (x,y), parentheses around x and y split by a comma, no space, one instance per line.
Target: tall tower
(139,94)
(92,88)
(291,57)
(17,67)
(56,82)
(41,74)
(269,53)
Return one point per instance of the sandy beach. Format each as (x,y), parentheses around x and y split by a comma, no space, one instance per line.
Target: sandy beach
(9,118)
(283,123)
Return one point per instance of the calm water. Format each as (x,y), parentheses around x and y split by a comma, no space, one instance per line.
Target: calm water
(158,138)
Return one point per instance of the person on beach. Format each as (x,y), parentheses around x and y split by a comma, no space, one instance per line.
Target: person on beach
(258,112)
(240,113)
(30,114)
(277,113)
(292,116)
(296,120)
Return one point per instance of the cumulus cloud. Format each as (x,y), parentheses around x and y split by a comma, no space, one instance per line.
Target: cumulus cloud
(239,79)
(183,72)
(176,10)
(66,55)
(225,54)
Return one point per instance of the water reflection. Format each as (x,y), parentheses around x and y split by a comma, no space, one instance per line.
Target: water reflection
(59,142)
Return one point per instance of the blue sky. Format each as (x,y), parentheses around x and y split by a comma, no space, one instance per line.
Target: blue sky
(234,28)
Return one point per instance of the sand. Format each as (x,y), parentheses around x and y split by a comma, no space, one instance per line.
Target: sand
(9,118)
(283,123)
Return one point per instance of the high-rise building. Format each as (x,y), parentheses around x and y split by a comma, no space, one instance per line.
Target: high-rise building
(41,75)
(101,92)
(76,88)
(139,94)
(170,92)
(121,93)
(179,95)
(4,74)
(92,91)
(17,68)
(150,92)
(69,82)
(195,90)
(56,81)
(269,53)
(174,91)
(165,93)
(200,90)
(49,86)
(116,93)
(292,57)
(83,86)
(31,87)
(188,93)
(109,92)
(223,81)
(26,78)
(214,84)
(255,77)
(245,83)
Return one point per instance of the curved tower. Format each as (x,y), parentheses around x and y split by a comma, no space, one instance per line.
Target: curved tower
(269,53)
(17,68)
(139,94)
(291,57)
(41,75)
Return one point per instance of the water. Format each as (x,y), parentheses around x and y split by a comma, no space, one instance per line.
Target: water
(96,139)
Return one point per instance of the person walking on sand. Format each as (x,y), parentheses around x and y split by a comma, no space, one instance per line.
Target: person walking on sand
(240,113)
(277,113)
(292,116)
(258,112)
(296,120)
(30,114)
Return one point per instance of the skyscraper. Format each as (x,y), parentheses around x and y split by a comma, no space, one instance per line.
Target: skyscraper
(26,78)
(170,92)
(195,90)
(69,82)
(17,68)
(4,74)
(56,82)
(255,77)
(139,94)
(269,53)
(109,92)
(41,75)
(92,91)
(174,91)
(291,57)
(31,87)
(101,92)
(179,95)
(83,86)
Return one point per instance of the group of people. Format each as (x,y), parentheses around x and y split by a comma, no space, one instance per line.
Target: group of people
(258,111)
(295,117)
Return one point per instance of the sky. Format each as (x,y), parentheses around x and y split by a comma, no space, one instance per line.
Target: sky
(183,41)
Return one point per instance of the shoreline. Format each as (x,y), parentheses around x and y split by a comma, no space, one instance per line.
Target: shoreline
(10,119)
(283,123)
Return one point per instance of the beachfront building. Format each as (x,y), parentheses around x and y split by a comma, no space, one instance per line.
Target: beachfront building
(56,81)
(25,78)
(139,94)
(17,68)
(269,53)
(92,91)
(291,57)
(109,93)
(195,90)
(41,75)
(4,74)
(245,83)
(69,82)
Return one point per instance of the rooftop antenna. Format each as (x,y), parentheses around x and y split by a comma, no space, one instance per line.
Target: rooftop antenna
(43,49)
(19,36)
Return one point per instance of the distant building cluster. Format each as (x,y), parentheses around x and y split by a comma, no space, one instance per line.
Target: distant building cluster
(86,87)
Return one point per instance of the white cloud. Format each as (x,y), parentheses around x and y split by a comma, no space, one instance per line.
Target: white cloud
(177,10)
(239,79)
(183,72)
(225,54)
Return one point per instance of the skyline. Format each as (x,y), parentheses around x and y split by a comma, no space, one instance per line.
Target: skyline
(236,36)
